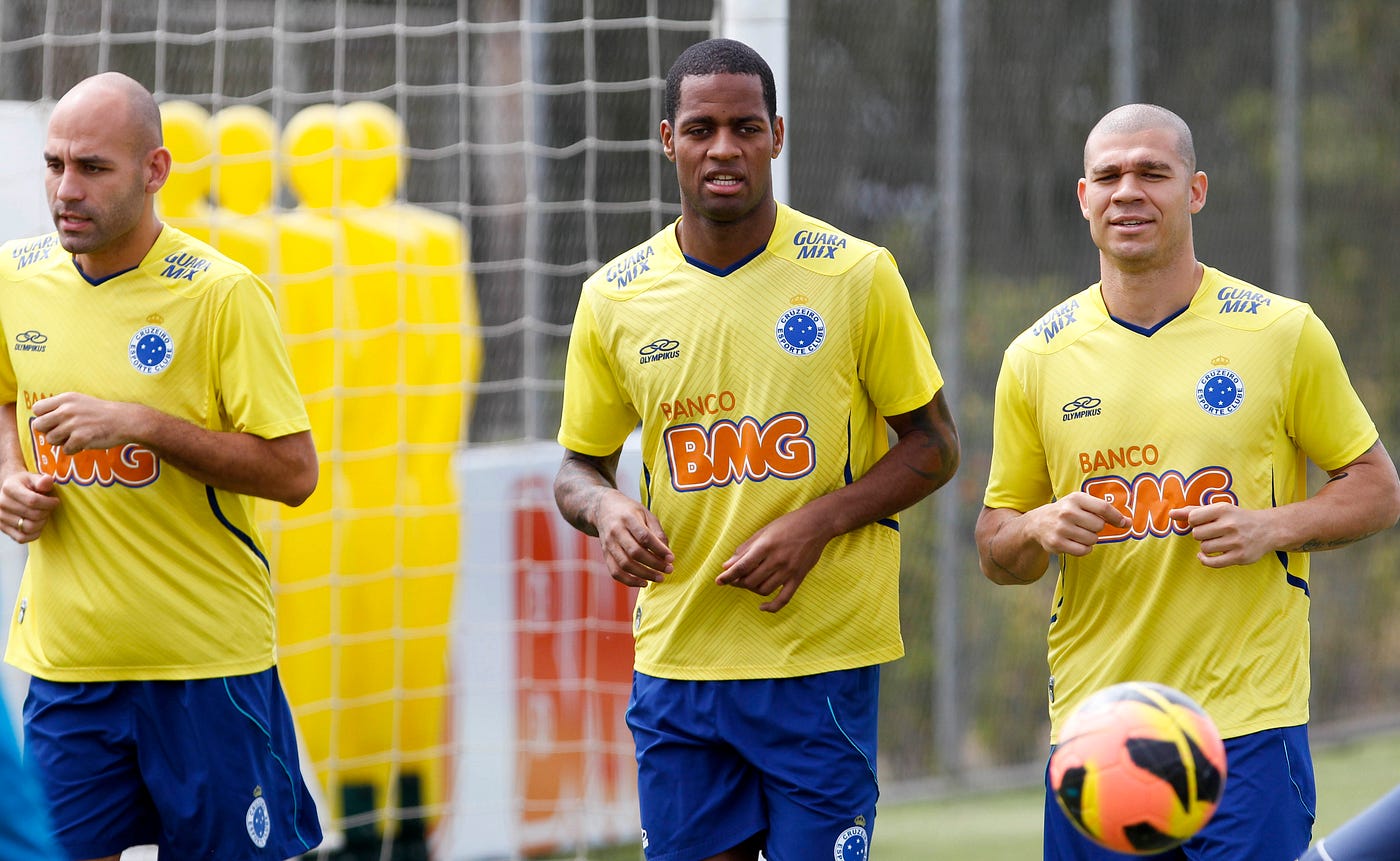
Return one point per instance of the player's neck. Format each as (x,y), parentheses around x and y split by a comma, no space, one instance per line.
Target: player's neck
(1146,298)
(721,244)
(125,252)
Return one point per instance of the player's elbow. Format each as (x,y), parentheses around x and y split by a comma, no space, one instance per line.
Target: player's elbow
(1003,576)
(1391,514)
(299,488)
(938,461)
(999,569)
(298,471)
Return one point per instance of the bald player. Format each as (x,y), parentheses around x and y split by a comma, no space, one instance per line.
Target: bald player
(148,399)
(1152,432)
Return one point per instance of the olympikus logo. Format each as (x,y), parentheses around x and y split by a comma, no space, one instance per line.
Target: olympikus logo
(1148,498)
(728,451)
(659,350)
(810,243)
(129,464)
(30,341)
(184,266)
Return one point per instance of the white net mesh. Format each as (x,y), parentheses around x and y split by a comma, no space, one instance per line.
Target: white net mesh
(424,185)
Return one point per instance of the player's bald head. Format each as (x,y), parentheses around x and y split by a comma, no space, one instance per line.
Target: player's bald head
(126,108)
(1132,119)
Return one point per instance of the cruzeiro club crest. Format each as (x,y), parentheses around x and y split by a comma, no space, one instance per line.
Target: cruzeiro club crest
(258,821)
(1220,391)
(801,331)
(852,845)
(151,350)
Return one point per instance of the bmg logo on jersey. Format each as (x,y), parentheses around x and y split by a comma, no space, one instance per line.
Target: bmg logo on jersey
(1147,499)
(129,464)
(728,451)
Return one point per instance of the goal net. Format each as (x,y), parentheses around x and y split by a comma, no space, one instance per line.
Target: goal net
(423,185)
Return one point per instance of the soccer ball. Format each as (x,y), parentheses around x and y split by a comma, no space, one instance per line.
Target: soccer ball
(1139,768)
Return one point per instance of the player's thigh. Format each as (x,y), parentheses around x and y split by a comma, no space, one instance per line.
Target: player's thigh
(219,759)
(1270,800)
(814,738)
(698,796)
(79,743)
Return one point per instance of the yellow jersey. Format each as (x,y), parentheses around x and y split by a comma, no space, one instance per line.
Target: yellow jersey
(142,572)
(1224,402)
(758,389)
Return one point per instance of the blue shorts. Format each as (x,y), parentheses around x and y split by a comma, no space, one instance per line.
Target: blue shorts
(786,763)
(1266,813)
(204,769)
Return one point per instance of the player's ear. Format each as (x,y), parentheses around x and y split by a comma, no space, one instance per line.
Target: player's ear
(668,143)
(1083,200)
(157,169)
(778,132)
(1197,200)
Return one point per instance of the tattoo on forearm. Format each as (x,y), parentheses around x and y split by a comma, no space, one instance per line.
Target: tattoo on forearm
(946,452)
(1319,544)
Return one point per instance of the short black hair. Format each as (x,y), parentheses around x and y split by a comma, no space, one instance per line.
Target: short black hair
(719,57)
(1131,119)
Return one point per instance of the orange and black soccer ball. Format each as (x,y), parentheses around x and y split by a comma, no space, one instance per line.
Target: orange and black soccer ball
(1139,768)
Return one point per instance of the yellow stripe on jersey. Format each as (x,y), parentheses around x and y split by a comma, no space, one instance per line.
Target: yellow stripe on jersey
(1224,402)
(143,572)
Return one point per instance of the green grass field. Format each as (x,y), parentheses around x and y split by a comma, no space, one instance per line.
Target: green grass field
(1005,826)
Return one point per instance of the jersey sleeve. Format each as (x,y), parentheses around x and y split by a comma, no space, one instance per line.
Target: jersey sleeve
(1325,415)
(597,415)
(897,364)
(257,390)
(1019,476)
(9,386)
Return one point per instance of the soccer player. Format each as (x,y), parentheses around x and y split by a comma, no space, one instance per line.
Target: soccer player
(148,399)
(1371,835)
(764,354)
(1152,432)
